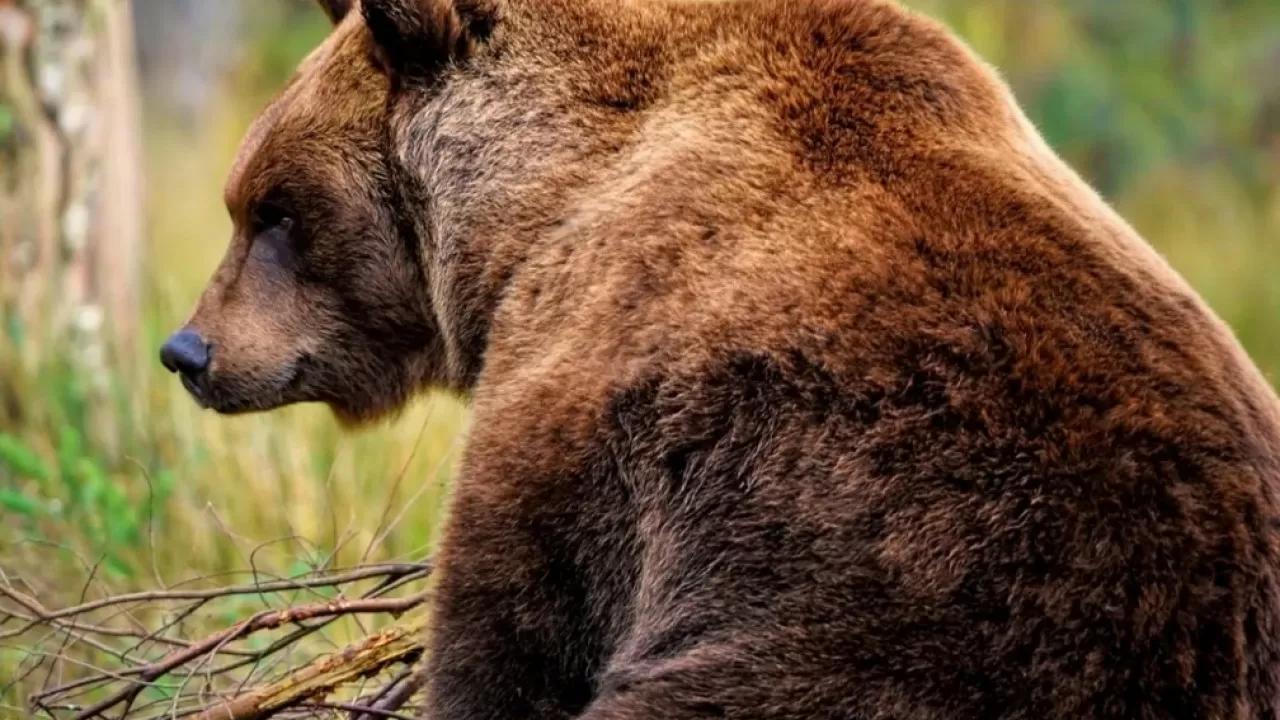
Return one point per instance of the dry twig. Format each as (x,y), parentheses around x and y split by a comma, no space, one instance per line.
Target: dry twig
(183,682)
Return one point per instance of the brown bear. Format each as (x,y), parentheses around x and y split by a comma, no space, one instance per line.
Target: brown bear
(807,382)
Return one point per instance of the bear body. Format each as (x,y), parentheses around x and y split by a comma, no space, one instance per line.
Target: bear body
(807,381)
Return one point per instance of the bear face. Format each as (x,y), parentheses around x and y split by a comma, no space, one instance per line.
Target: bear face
(321,296)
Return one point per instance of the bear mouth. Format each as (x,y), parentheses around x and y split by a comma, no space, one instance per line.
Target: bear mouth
(194,389)
(237,395)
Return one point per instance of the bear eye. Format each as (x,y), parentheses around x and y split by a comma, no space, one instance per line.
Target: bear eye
(270,216)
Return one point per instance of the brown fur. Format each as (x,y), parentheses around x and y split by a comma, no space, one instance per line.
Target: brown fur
(808,382)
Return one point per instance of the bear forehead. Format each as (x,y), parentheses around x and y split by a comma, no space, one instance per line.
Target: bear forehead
(334,88)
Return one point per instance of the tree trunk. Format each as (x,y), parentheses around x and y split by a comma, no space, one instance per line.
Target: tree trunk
(71,195)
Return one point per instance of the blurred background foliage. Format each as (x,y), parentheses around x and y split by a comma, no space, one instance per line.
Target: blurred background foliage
(1170,107)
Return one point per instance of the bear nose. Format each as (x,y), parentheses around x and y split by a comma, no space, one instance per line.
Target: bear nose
(185,352)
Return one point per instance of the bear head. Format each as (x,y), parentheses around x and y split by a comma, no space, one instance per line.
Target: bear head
(322,295)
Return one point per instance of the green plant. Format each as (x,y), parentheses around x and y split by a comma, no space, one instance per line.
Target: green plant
(6,121)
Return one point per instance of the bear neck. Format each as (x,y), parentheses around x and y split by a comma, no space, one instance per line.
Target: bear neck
(509,150)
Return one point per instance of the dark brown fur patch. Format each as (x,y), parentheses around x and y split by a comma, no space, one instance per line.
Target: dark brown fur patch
(336,9)
(415,39)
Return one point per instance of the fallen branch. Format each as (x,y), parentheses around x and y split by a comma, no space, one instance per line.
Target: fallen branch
(262,621)
(255,680)
(395,571)
(392,697)
(399,644)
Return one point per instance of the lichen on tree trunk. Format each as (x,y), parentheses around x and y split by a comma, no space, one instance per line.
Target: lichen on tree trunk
(70,184)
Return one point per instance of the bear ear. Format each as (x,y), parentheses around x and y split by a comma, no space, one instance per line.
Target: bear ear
(414,38)
(336,9)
